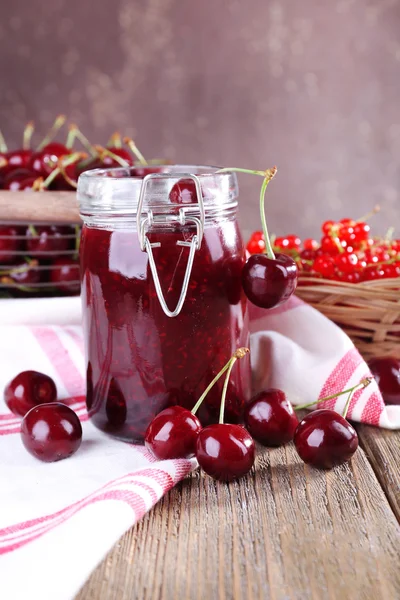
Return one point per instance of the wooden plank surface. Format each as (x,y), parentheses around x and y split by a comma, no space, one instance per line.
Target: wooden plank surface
(285,531)
(382,448)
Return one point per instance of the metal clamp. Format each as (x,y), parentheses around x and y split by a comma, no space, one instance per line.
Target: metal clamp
(184,217)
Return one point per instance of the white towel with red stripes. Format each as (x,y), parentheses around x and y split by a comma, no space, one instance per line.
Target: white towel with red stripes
(58,520)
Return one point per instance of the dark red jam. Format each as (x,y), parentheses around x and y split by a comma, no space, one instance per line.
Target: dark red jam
(140,360)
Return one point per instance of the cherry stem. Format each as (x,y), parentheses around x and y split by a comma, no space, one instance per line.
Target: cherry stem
(115,140)
(106,152)
(32,230)
(68,161)
(208,388)
(58,123)
(389,234)
(135,150)
(369,214)
(28,131)
(3,145)
(240,352)
(237,170)
(363,383)
(75,132)
(269,174)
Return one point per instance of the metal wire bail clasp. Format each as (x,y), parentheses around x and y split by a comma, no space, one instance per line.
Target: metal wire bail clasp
(185,216)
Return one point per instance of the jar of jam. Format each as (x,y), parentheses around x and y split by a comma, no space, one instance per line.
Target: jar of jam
(163,305)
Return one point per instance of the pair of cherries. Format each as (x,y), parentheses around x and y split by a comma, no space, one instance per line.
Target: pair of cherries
(225,451)
(50,430)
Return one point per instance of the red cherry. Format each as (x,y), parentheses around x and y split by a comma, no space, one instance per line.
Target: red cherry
(325,439)
(173,433)
(51,432)
(13,180)
(183,192)
(386,371)
(48,239)
(310,244)
(17,159)
(24,274)
(45,161)
(269,282)
(270,418)
(327,226)
(324,265)
(224,451)
(28,389)
(9,243)
(64,274)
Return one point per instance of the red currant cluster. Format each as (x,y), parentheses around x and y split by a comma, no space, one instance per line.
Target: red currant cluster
(225,451)
(42,260)
(346,252)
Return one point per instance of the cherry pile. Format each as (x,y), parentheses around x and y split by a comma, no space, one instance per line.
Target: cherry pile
(40,260)
(225,451)
(346,252)
(51,431)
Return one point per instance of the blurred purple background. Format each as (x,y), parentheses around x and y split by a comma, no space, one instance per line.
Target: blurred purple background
(311,86)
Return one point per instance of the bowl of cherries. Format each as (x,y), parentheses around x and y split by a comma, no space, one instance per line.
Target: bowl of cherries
(41,259)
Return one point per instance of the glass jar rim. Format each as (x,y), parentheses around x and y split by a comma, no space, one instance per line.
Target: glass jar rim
(117,190)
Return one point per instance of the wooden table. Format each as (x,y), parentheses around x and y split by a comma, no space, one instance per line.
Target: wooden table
(285,531)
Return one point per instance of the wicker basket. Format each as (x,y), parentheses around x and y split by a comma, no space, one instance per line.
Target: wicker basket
(368,312)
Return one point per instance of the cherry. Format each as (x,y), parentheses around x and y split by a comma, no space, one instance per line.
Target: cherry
(17,159)
(51,432)
(9,243)
(270,418)
(386,371)
(45,239)
(28,389)
(183,192)
(64,274)
(269,282)
(14,179)
(26,273)
(46,160)
(325,439)
(224,451)
(173,433)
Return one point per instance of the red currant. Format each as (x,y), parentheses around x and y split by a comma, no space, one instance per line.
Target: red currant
(325,266)
(310,244)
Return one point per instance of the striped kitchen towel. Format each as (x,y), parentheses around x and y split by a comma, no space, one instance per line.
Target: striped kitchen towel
(58,520)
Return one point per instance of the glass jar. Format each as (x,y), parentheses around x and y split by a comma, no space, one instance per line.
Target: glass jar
(163,306)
